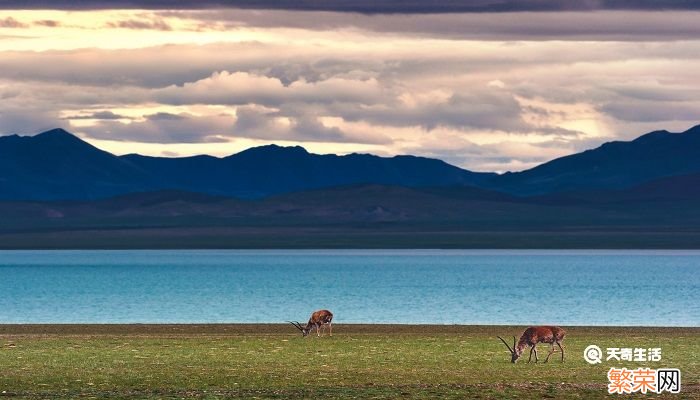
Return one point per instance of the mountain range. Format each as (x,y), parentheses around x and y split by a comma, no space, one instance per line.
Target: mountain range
(56,165)
(614,165)
(58,191)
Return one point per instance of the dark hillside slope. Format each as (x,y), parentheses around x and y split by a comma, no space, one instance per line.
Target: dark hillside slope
(614,165)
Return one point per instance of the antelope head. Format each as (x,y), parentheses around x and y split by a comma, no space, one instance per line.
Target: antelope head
(304,331)
(514,353)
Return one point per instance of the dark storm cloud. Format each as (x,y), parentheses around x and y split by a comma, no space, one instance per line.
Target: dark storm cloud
(364,6)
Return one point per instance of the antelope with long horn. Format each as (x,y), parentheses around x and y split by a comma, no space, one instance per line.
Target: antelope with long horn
(534,335)
(319,319)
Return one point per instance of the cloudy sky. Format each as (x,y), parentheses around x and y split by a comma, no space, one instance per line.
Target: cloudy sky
(489,85)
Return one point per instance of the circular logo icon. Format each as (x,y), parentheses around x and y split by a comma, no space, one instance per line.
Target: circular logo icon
(593,354)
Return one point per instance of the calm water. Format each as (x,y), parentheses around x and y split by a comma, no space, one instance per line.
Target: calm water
(439,287)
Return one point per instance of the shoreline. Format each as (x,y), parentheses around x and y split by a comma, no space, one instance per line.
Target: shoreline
(287,238)
(237,329)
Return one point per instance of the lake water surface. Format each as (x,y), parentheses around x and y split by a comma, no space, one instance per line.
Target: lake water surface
(653,288)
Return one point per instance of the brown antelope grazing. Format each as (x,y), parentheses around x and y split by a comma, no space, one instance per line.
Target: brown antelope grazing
(534,335)
(318,319)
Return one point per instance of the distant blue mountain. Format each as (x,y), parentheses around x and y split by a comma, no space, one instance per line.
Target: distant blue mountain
(614,165)
(57,165)
(266,170)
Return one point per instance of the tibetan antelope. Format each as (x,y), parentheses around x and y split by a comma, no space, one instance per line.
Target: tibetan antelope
(534,335)
(318,319)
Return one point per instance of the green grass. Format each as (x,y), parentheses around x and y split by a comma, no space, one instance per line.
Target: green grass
(273,361)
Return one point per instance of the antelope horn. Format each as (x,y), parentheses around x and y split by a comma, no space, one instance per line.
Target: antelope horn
(513,344)
(504,342)
(296,325)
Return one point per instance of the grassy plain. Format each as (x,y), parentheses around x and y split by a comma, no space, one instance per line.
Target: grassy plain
(274,361)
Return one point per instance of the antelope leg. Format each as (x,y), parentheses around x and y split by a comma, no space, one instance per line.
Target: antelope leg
(562,351)
(534,348)
(551,350)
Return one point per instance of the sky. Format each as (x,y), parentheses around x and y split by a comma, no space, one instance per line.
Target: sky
(488,85)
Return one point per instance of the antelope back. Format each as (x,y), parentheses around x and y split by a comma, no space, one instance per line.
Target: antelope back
(543,334)
(558,333)
(321,317)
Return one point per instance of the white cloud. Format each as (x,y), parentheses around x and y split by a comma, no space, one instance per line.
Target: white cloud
(483,91)
(239,88)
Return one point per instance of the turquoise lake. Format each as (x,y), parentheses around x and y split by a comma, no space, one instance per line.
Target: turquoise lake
(650,288)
